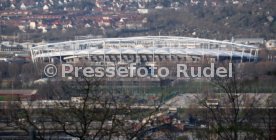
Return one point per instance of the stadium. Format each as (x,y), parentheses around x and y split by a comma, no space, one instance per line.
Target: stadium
(144,49)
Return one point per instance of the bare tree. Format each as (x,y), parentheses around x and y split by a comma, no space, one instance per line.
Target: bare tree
(83,108)
(231,114)
(97,113)
(267,117)
(30,117)
(88,111)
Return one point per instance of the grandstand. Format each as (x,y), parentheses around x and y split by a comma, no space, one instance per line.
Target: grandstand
(144,49)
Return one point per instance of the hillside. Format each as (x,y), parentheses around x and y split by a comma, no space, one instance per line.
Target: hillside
(252,19)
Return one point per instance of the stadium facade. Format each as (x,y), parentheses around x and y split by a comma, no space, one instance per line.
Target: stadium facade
(144,49)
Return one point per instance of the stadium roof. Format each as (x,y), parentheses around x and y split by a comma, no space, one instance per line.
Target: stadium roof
(143,45)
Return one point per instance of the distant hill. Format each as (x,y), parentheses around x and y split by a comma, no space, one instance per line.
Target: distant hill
(255,18)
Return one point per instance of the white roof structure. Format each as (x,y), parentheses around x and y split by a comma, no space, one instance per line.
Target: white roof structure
(145,45)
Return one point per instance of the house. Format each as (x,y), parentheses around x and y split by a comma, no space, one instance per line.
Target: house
(60,3)
(87,25)
(236,2)
(159,7)
(98,4)
(54,26)
(134,25)
(214,4)
(21,28)
(43,28)
(23,6)
(105,21)
(205,3)
(32,25)
(194,2)
(143,11)
(12,6)
(145,20)
(69,25)
(270,18)
(45,8)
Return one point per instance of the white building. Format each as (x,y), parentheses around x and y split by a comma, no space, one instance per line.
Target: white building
(143,11)
(271,44)
(23,6)
(45,8)
(87,25)
(43,28)
(32,25)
